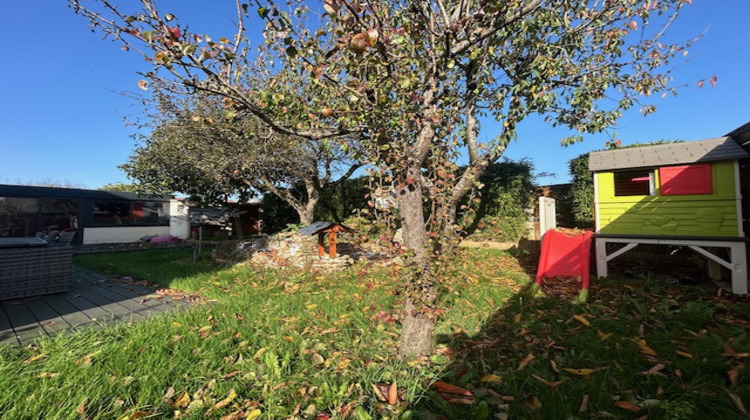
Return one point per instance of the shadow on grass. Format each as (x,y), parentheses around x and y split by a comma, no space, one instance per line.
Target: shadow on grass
(637,348)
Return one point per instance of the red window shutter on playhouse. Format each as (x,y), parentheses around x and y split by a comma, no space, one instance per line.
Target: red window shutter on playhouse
(687,179)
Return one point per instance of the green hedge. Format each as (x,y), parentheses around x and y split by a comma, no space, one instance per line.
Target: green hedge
(506,195)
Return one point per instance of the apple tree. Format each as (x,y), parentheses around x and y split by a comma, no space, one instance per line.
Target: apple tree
(416,81)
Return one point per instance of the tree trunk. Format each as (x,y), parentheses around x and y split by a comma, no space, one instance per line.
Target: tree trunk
(416,333)
(411,211)
(307,212)
(305,216)
(417,328)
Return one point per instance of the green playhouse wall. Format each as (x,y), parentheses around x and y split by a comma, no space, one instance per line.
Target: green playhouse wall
(677,215)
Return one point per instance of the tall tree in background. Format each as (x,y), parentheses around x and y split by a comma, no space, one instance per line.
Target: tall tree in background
(197,149)
(413,79)
(122,187)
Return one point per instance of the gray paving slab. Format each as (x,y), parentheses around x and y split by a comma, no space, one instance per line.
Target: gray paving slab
(46,316)
(94,301)
(74,317)
(25,326)
(7,335)
(89,308)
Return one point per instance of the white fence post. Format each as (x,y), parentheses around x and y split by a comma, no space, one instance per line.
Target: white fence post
(547,218)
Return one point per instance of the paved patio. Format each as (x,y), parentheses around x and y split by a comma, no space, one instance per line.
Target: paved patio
(93,301)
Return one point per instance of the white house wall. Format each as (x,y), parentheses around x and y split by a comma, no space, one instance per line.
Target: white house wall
(113,235)
(179,225)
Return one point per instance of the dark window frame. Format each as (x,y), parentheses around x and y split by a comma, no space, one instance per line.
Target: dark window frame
(634,183)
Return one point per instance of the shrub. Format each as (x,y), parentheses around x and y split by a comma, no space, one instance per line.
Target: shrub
(506,196)
(581,195)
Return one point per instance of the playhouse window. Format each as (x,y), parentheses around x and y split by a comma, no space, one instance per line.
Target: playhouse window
(639,182)
(687,179)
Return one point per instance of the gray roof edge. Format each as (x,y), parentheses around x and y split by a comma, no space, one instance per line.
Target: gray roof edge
(744,128)
(741,135)
(608,159)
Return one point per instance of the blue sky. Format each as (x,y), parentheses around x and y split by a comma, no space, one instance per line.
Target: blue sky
(62,118)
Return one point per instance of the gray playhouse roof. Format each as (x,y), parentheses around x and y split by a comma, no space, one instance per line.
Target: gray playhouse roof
(742,136)
(711,150)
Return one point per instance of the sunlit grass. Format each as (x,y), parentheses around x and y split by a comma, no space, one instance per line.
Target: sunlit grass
(276,343)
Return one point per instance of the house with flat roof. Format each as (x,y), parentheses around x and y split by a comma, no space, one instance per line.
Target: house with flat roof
(95,216)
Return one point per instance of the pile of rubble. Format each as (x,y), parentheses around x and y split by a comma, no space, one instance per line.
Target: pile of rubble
(292,250)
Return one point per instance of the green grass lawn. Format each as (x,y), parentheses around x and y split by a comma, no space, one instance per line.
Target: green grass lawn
(281,344)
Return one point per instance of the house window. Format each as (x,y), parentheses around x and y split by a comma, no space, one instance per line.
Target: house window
(148,212)
(111,212)
(639,182)
(686,180)
(18,216)
(59,214)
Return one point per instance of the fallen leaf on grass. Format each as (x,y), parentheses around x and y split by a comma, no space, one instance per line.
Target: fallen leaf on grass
(584,404)
(168,394)
(627,405)
(253,414)
(603,336)
(582,320)
(237,415)
(733,375)
(738,355)
(684,354)
(490,378)
(378,392)
(643,348)
(226,401)
(737,402)
(533,404)
(87,359)
(453,389)
(454,394)
(34,358)
(655,370)
(580,372)
(650,403)
(48,375)
(81,409)
(393,393)
(136,415)
(182,401)
(546,382)
(317,359)
(526,360)
(230,375)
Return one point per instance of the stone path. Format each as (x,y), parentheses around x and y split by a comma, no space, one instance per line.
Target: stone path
(93,301)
